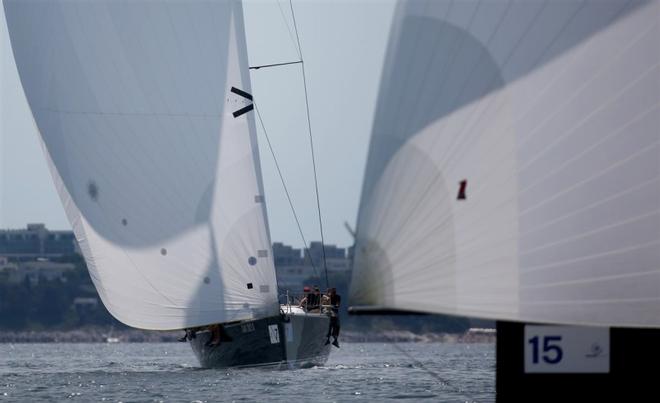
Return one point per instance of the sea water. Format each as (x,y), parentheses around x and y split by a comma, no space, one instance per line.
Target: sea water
(129,372)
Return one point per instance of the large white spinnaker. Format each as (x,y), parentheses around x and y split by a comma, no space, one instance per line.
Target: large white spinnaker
(144,113)
(514,166)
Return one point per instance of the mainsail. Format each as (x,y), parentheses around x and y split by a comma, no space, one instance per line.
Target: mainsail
(144,111)
(514,166)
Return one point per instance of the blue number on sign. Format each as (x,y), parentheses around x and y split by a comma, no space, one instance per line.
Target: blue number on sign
(552,353)
(534,341)
(548,347)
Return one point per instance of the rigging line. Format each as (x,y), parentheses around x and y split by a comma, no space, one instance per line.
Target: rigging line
(311,143)
(286,190)
(274,65)
(288,28)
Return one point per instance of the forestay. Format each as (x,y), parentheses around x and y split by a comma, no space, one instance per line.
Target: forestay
(152,152)
(514,166)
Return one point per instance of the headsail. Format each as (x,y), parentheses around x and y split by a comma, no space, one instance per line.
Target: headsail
(514,166)
(144,110)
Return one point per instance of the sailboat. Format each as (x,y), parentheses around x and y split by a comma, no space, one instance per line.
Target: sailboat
(146,118)
(514,174)
(110,338)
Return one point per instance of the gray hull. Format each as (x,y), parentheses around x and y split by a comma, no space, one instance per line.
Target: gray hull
(287,341)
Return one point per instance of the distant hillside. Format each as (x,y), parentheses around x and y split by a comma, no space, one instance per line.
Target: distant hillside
(66,302)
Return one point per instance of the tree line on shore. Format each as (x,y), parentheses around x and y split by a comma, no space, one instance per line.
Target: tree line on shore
(49,304)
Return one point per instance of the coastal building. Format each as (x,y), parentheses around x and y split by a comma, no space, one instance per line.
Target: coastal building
(285,255)
(36,241)
(336,258)
(295,269)
(33,271)
(292,278)
(315,252)
(28,253)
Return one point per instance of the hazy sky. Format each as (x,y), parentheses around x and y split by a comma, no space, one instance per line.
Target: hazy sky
(343,46)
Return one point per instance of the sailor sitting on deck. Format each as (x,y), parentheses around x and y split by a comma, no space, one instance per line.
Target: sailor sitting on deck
(190,334)
(218,334)
(303,300)
(312,301)
(325,301)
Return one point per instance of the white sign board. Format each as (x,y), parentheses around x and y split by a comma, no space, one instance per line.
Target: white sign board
(567,349)
(274,334)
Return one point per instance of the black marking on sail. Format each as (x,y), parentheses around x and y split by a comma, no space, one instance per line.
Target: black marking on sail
(250,286)
(252,260)
(124,222)
(243,111)
(93,190)
(163,251)
(262,253)
(207,280)
(264,288)
(461,190)
(274,65)
(258,199)
(241,93)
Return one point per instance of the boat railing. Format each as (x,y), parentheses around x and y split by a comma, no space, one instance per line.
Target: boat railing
(288,300)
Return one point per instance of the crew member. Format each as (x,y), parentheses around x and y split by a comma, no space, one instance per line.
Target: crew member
(333,329)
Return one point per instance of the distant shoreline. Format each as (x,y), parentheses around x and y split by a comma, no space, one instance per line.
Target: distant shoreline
(88,335)
(101,335)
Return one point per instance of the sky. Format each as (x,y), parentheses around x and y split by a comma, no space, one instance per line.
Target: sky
(343,46)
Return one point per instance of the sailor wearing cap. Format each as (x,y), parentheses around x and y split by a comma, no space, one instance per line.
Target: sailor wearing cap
(303,301)
(311,301)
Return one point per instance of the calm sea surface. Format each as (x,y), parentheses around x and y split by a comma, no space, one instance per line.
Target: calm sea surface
(169,372)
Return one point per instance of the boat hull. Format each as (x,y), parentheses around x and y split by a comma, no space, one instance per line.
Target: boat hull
(286,341)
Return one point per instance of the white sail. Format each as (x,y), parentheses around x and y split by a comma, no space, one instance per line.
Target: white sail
(152,154)
(514,166)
